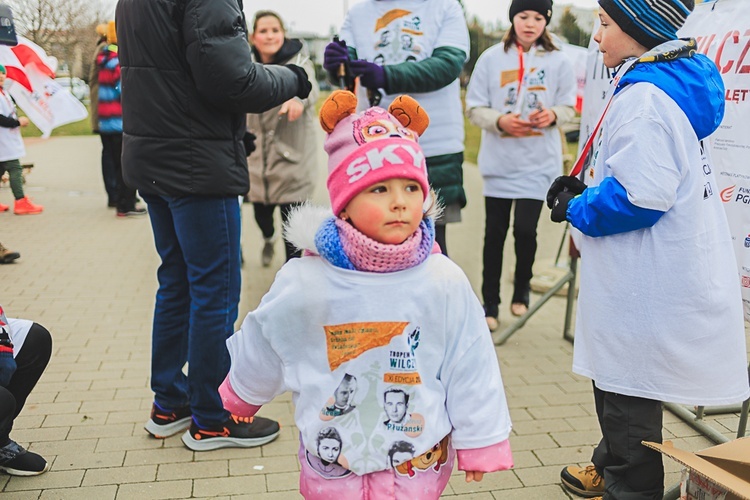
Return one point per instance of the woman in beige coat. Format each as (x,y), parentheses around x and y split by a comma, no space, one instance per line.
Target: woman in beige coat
(284,165)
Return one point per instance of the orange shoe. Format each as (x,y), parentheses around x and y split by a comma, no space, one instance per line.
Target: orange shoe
(4,208)
(25,207)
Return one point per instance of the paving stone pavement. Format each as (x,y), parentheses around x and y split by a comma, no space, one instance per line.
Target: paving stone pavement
(90,278)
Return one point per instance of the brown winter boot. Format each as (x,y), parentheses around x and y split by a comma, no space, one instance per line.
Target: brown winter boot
(25,207)
(583,481)
(7,256)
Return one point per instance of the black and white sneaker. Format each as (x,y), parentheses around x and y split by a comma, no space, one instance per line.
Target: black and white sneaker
(17,461)
(235,432)
(164,422)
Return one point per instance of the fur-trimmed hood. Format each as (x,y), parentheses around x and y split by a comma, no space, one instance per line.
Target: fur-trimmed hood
(302,225)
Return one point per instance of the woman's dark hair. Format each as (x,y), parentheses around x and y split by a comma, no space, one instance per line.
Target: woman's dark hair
(266,13)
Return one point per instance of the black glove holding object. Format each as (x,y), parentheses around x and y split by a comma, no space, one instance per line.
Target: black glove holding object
(248,140)
(303,83)
(560,206)
(562,190)
(564,183)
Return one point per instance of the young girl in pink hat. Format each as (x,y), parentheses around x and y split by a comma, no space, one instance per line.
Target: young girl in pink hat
(374,301)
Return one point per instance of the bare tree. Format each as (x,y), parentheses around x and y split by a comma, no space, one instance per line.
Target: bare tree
(63,28)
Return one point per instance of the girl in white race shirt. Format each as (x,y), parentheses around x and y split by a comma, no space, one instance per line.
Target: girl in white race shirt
(521,90)
(373,300)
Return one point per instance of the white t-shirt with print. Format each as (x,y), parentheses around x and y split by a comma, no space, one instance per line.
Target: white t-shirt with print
(395,31)
(11,142)
(659,309)
(520,167)
(420,330)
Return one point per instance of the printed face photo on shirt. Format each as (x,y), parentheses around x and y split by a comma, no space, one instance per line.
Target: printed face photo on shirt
(328,460)
(385,39)
(400,452)
(398,34)
(343,396)
(329,445)
(406,41)
(396,404)
(342,401)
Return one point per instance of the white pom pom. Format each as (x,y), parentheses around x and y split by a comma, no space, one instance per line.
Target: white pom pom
(303,223)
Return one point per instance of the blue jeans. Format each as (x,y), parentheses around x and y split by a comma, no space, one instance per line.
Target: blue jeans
(198,240)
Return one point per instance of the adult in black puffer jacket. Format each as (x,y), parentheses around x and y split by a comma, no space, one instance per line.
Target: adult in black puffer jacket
(187,81)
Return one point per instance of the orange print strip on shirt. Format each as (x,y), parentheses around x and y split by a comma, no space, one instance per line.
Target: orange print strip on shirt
(349,340)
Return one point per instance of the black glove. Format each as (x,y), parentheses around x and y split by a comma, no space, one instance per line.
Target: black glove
(564,183)
(248,140)
(303,84)
(335,54)
(560,206)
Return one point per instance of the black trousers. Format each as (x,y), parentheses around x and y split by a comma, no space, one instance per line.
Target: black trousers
(109,174)
(31,360)
(264,218)
(525,219)
(125,195)
(630,470)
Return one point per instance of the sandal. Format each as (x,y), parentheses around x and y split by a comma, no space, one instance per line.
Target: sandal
(518,309)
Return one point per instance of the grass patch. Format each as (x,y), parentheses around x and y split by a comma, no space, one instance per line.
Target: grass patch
(472,138)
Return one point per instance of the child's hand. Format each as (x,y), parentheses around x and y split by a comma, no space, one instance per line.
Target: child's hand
(542,118)
(23,121)
(514,125)
(292,108)
(474,476)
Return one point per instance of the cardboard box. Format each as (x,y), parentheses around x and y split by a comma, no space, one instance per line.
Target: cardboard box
(726,465)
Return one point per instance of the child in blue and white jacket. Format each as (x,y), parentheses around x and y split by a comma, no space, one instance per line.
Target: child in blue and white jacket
(659,309)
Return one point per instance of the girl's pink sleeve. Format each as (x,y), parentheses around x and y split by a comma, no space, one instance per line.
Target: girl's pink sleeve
(233,403)
(488,459)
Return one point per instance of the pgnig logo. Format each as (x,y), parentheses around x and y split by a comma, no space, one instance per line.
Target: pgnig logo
(727,192)
(736,194)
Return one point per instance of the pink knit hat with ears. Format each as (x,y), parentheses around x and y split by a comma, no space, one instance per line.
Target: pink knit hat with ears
(371,146)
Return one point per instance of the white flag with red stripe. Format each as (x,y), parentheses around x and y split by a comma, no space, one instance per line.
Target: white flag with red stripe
(49,105)
(14,70)
(31,72)
(28,53)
